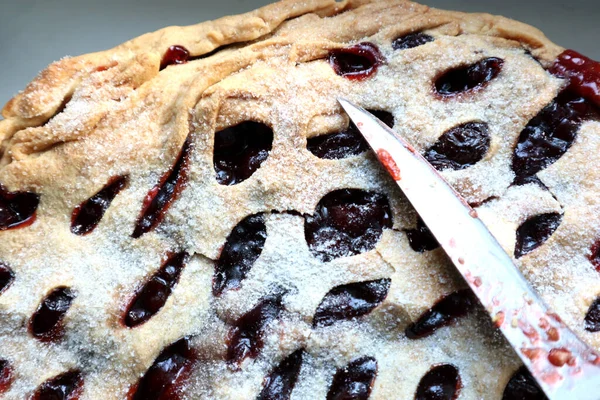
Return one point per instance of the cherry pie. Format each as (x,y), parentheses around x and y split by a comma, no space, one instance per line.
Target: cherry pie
(190,215)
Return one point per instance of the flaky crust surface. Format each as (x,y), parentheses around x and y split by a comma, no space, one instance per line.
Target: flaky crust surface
(86,119)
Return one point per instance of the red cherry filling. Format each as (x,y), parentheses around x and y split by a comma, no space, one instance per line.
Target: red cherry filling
(245,338)
(411,40)
(160,197)
(594,258)
(460,147)
(442,382)
(88,214)
(356,62)
(350,301)
(346,222)
(469,77)
(443,313)
(175,55)
(66,386)
(6,376)
(550,134)
(535,231)
(46,323)
(355,381)
(163,380)
(592,317)
(7,276)
(278,385)
(583,74)
(421,239)
(154,294)
(344,143)
(17,209)
(240,150)
(522,386)
(242,248)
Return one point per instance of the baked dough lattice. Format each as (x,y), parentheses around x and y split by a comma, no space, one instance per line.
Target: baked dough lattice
(190,214)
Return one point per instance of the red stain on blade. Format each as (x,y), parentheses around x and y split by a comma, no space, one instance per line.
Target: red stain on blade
(388,162)
(560,356)
(499,319)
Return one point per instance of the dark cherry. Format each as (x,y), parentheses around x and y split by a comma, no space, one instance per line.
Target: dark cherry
(7,276)
(6,376)
(469,77)
(442,382)
(550,134)
(46,323)
(278,385)
(355,381)
(240,150)
(66,386)
(163,380)
(242,248)
(411,40)
(344,143)
(592,317)
(17,209)
(88,214)
(522,386)
(346,222)
(245,338)
(594,257)
(350,301)
(175,55)
(535,231)
(460,147)
(583,74)
(356,62)
(160,197)
(421,239)
(443,313)
(153,295)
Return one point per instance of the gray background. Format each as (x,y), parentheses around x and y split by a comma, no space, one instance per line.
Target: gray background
(34,33)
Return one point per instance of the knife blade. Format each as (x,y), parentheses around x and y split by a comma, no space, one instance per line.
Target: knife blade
(563,365)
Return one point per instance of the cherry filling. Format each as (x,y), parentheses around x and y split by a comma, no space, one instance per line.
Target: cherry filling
(522,386)
(594,257)
(350,301)
(460,147)
(240,150)
(355,381)
(421,239)
(17,209)
(592,317)
(356,62)
(242,248)
(344,143)
(175,55)
(278,385)
(442,382)
(7,276)
(164,378)
(160,197)
(443,313)
(245,338)
(535,231)
(583,74)
(346,222)
(66,386)
(154,294)
(6,376)
(46,323)
(88,214)
(411,40)
(469,77)
(550,134)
